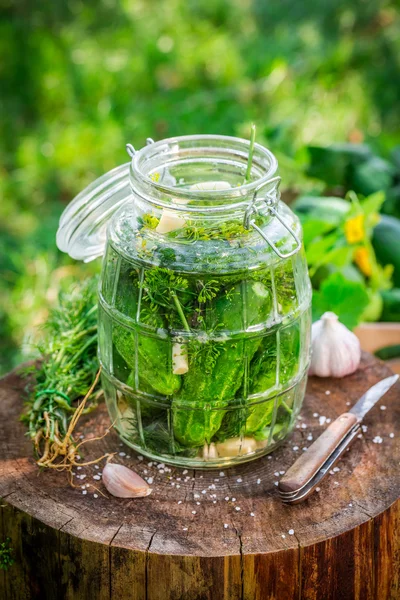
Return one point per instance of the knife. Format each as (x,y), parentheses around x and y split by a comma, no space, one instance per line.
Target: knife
(311,467)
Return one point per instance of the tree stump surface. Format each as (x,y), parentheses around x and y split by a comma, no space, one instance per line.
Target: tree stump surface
(188,540)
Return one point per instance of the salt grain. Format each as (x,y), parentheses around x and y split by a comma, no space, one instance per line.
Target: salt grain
(309,437)
(258,481)
(283,535)
(150,480)
(350,504)
(276,482)
(295,448)
(96,466)
(281,472)
(315,415)
(291,532)
(233,499)
(336,469)
(196,495)
(382,407)
(377,439)
(226,525)
(198,503)
(179,501)
(227,498)
(95,495)
(97,477)
(78,468)
(239,480)
(193,512)
(276,473)
(252,514)
(317,489)
(348,403)
(305,449)
(84,492)
(391,435)
(185,528)
(322,420)
(237,508)
(204,491)
(364,428)
(140,457)
(222,474)
(328,393)
(185,472)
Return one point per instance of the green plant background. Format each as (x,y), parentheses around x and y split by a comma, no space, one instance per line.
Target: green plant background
(80,79)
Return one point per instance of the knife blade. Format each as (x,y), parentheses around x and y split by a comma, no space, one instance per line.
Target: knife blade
(371,397)
(310,463)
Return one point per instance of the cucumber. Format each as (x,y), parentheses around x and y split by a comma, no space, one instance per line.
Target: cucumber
(193,425)
(386,243)
(391,305)
(154,361)
(388,352)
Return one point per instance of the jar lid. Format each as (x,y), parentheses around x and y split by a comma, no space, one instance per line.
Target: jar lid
(83,224)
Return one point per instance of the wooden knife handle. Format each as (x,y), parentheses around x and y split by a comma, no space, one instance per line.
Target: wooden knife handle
(307,465)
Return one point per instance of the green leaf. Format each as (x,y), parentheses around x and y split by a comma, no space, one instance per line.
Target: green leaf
(346,298)
(313,228)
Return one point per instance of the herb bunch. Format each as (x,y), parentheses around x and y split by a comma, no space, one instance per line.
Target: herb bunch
(66,372)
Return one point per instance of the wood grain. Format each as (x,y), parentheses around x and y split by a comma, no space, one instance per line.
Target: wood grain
(345,542)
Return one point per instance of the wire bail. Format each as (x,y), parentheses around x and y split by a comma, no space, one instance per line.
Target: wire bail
(271,199)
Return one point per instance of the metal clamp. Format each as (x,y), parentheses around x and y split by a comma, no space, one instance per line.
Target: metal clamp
(271,200)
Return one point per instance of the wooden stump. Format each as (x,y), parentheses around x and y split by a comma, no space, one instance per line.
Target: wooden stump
(189,540)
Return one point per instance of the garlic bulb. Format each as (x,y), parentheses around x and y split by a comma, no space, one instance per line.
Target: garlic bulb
(124,483)
(336,351)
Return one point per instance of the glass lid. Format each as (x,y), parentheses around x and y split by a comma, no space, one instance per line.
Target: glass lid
(83,224)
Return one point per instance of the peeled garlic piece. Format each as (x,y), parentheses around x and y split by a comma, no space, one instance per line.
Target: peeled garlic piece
(208,186)
(210,451)
(236,447)
(170,221)
(336,350)
(124,483)
(180,362)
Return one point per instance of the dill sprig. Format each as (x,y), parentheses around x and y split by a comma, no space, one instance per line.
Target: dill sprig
(251,152)
(65,373)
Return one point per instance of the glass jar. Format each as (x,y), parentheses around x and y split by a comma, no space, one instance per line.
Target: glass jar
(204,301)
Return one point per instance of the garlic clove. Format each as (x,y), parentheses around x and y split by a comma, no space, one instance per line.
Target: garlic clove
(212,451)
(170,221)
(180,362)
(209,186)
(336,351)
(123,482)
(236,447)
(209,451)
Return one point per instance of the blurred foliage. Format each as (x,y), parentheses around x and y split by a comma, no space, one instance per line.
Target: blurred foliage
(81,78)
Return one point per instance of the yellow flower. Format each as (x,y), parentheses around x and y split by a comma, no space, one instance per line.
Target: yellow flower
(362,260)
(354,229)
